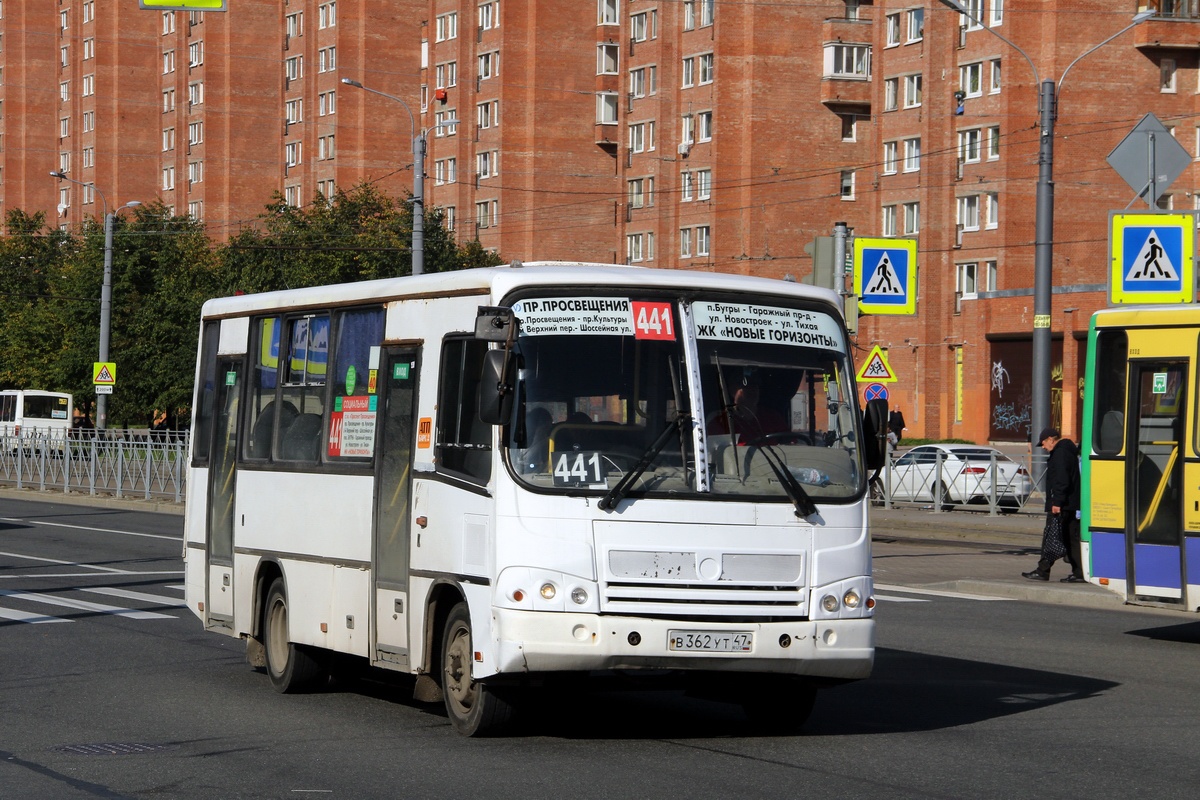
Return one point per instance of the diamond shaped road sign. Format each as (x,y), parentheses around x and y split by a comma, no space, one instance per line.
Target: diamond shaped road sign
(1149,159)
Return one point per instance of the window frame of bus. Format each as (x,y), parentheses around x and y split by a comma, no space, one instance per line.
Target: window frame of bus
(1112,349)
(210,338)
(458,410)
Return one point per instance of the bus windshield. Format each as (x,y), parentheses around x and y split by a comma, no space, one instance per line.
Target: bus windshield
(610,385)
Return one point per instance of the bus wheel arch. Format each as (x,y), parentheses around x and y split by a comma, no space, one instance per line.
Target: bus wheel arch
(291,667)
(474,708)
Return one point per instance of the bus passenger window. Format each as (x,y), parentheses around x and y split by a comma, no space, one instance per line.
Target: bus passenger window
(464,442)
(1108,396)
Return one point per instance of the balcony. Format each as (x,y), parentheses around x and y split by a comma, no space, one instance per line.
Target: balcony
(846,92)
(1169,28)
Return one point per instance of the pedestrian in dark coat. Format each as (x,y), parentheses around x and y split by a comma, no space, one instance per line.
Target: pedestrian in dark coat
(896,424)
(1062,507)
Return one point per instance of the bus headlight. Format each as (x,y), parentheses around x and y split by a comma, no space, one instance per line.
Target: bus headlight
(851,599)
(579,596)
(829,603)
(548,591)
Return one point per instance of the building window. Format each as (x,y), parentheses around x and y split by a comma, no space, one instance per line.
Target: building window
(608,12)
(687,129)
(707,12)
(912,91)
(63,19)
(489,16)
(327,59)
(442,125)
(892,22)
(168,178)
(993,210)
(196,210)
(606,108)
(916,24)
(327,15)
(705,65)
(293,25)
(969,145)
(293,68)
(89,48)
(639,27)
(168,139)
(702,240)
(997,12)
(891,93)
(195,94)
(637,137)
(487,213)
(168,100)
(888,220)
(291,152)
(64,200)
(965,283)
(970,20)
(294,110)
(704,126)
(195,54)
(970,79)
(168,62)
(487,115)
(89,157)
(968,212)
(64,162)
(195,171)
(88,85)
(703,184)
(689,72)
(847,184)
(849,127)
(446,75)
(912,154)
(64,127)
(291,196)
(89,11)
(685,189)
(607,59)
(326,103)
(447,26)
(641,192)
(444,171)
(1166,72)
(995,72)
(326,149)
(848,61)
(993,143)
(89,121)
(489,65)
(633,248)
(912,218)
(889,158)
(64,92)
(195,132)
(637,82)
(685,243)
(64,56)
(487,164)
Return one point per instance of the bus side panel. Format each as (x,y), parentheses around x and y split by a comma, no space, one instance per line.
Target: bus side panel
(321,515)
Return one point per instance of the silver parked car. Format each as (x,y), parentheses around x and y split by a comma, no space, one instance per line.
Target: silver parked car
(955,474)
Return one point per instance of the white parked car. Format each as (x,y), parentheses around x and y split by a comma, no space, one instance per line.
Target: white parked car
(954,474)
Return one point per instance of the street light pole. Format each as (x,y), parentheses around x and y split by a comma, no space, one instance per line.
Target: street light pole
(418,149)
(1043,253)
(105,289)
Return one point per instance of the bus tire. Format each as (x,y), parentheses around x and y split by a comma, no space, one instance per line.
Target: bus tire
(473,708)
(779,704)
(292,668)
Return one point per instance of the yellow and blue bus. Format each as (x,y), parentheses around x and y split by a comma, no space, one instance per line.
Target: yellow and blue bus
(1141,455)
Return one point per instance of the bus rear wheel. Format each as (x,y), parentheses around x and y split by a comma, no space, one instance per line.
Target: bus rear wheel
(474,709)
(291,667)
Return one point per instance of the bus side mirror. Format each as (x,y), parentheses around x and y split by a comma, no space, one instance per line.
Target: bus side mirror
(496,386)
(496,324)
(875,434)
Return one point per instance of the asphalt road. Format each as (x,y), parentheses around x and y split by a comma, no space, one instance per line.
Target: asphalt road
(974,695)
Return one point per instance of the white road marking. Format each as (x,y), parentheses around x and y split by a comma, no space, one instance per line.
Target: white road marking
(891,599)
(83,605)
(938,593)
(25,616)
(66,563)
(91,529)
(90,574)
(156,599)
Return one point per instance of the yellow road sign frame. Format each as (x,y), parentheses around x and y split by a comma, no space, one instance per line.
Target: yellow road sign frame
(104,373)
(909,247)
(1185,222)
(866,373)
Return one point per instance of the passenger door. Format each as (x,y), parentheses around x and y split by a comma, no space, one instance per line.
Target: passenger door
(395,441)
(222,483)
(1153,481)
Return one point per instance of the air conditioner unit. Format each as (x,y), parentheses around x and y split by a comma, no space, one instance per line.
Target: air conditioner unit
(684,149)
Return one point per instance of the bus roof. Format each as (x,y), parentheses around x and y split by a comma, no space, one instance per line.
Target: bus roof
(1137,316)
(499,281)
(37,392)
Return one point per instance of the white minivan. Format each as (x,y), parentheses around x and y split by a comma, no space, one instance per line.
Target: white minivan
(44,416)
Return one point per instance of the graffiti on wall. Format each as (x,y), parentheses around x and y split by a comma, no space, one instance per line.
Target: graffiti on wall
(1011,390)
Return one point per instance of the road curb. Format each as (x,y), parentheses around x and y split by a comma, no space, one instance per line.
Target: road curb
(154,506)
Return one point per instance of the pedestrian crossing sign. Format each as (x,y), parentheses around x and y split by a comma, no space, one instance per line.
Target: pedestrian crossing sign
(1152,258)
(884,275)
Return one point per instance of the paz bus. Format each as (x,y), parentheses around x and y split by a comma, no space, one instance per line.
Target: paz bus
(490,477)
(1141,455)
(31,416)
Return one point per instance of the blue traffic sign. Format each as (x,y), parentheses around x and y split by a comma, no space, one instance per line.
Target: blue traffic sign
(876,391)
(1152,258)
(884,272)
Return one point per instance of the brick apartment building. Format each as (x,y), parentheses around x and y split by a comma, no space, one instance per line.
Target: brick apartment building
(684,134)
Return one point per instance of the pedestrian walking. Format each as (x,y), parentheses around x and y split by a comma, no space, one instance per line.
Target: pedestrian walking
(896,423)
(1060,537)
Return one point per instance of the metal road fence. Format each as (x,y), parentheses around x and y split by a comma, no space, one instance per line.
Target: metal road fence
(124,463)
(944,482)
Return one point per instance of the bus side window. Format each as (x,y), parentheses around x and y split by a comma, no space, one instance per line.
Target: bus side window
(1108,396)
(463,440)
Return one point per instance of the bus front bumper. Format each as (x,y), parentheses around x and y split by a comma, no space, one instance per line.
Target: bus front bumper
(528,641)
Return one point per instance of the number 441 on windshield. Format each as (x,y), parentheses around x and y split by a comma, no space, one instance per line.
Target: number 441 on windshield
(653,321)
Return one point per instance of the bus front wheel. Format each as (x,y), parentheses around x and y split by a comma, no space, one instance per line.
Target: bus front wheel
(474,709)
(292,668)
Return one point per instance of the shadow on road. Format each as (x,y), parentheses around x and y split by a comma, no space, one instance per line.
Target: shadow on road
(1187,633)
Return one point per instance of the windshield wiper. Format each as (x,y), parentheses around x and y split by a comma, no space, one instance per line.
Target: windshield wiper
(619,491)
(805,507)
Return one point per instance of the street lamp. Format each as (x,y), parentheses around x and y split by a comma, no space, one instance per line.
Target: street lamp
(418,149)
(105,290)
(1044,202)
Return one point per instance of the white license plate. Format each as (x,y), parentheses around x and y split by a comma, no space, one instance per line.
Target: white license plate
(711,641)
